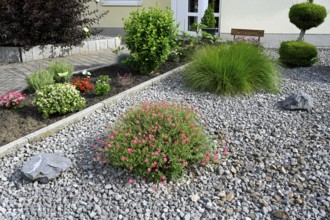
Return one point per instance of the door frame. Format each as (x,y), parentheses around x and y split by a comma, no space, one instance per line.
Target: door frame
(181,16)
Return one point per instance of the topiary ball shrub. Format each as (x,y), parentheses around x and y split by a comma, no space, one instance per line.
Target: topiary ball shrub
(157,140)
(39,79)
(58,98)
(232,69)
(307,15)
(150,37)
(62,71)
(297,54)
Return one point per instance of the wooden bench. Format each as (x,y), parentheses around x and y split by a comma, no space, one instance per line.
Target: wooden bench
(247,32)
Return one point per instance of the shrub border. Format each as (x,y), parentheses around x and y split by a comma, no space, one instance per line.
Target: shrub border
(59,125)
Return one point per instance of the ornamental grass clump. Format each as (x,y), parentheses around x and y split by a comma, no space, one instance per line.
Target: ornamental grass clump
(157,141)
(58,98)
(232,69)
(39,79)
(62,71)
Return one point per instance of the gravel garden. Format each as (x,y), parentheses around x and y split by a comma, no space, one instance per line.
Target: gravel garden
(242,132)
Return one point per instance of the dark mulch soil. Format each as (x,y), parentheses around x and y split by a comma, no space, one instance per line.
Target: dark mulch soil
(20,122)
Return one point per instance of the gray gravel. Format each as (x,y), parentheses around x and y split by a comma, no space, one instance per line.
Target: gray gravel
(278,167)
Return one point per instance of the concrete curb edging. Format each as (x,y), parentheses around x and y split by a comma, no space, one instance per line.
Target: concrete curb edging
(57,126)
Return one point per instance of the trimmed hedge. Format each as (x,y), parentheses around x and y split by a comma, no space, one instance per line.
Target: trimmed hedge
(297,54)
(307,15)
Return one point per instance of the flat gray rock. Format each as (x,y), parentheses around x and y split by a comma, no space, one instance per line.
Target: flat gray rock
(298,101)
(45,167)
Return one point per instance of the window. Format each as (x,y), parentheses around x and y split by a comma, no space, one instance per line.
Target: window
(122,2)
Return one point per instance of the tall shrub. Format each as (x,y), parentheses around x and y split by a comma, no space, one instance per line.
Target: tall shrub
(150,36)
(29,23)
(306,16)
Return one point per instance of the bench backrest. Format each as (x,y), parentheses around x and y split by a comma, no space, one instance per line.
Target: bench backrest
(247,32)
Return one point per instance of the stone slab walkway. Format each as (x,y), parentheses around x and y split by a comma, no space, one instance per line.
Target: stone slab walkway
(12,76)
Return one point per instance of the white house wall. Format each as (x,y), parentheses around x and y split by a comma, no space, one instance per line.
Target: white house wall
(268,15)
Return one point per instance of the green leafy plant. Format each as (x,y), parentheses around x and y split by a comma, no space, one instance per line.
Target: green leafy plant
(58,98)
(150,36)
(307,15)
(102,86)
(39,79)
(232,69)
(12,100)
(157,140)
(62,71)
(297,54)
(83,85)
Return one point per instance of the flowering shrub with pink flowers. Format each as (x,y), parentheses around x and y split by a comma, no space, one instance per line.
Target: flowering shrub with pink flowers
(157,140)
(12,99)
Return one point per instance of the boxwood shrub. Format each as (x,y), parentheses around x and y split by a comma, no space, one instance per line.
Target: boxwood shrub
(297,54)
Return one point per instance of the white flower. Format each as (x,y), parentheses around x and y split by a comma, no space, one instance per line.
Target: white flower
(86,29)
(85,73)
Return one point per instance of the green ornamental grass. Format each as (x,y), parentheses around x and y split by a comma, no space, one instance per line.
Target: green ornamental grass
(232,69)
(62,71)
(39,79)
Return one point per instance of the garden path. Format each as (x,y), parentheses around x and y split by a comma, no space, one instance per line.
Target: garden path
(12,76)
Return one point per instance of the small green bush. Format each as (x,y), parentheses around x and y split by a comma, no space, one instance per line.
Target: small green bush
(102,86)
(150,36)
(297,54)
(157,140)
(231,69)
(307,15)
(39,79)
(58,98)
(209,19)
(62,71)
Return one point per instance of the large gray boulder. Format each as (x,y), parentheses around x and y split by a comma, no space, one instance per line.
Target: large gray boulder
(45,167)
(298,101)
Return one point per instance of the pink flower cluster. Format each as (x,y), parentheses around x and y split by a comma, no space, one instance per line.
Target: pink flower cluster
(11,99)
(156,140)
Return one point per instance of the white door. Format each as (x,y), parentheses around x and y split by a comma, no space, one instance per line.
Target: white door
(187,12)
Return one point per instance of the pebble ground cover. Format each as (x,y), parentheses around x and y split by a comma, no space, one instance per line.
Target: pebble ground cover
(278,165)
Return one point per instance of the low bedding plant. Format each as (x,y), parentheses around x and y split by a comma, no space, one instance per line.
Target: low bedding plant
(157,140)
(54,94)
(12,100)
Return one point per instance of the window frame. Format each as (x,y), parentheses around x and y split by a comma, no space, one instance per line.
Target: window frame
(122,2)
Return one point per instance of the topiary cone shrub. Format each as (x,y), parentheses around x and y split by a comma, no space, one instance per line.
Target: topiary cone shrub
(157,140)
(297,54)
(306,16)
(209,19)
(150,36)
(232,69)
